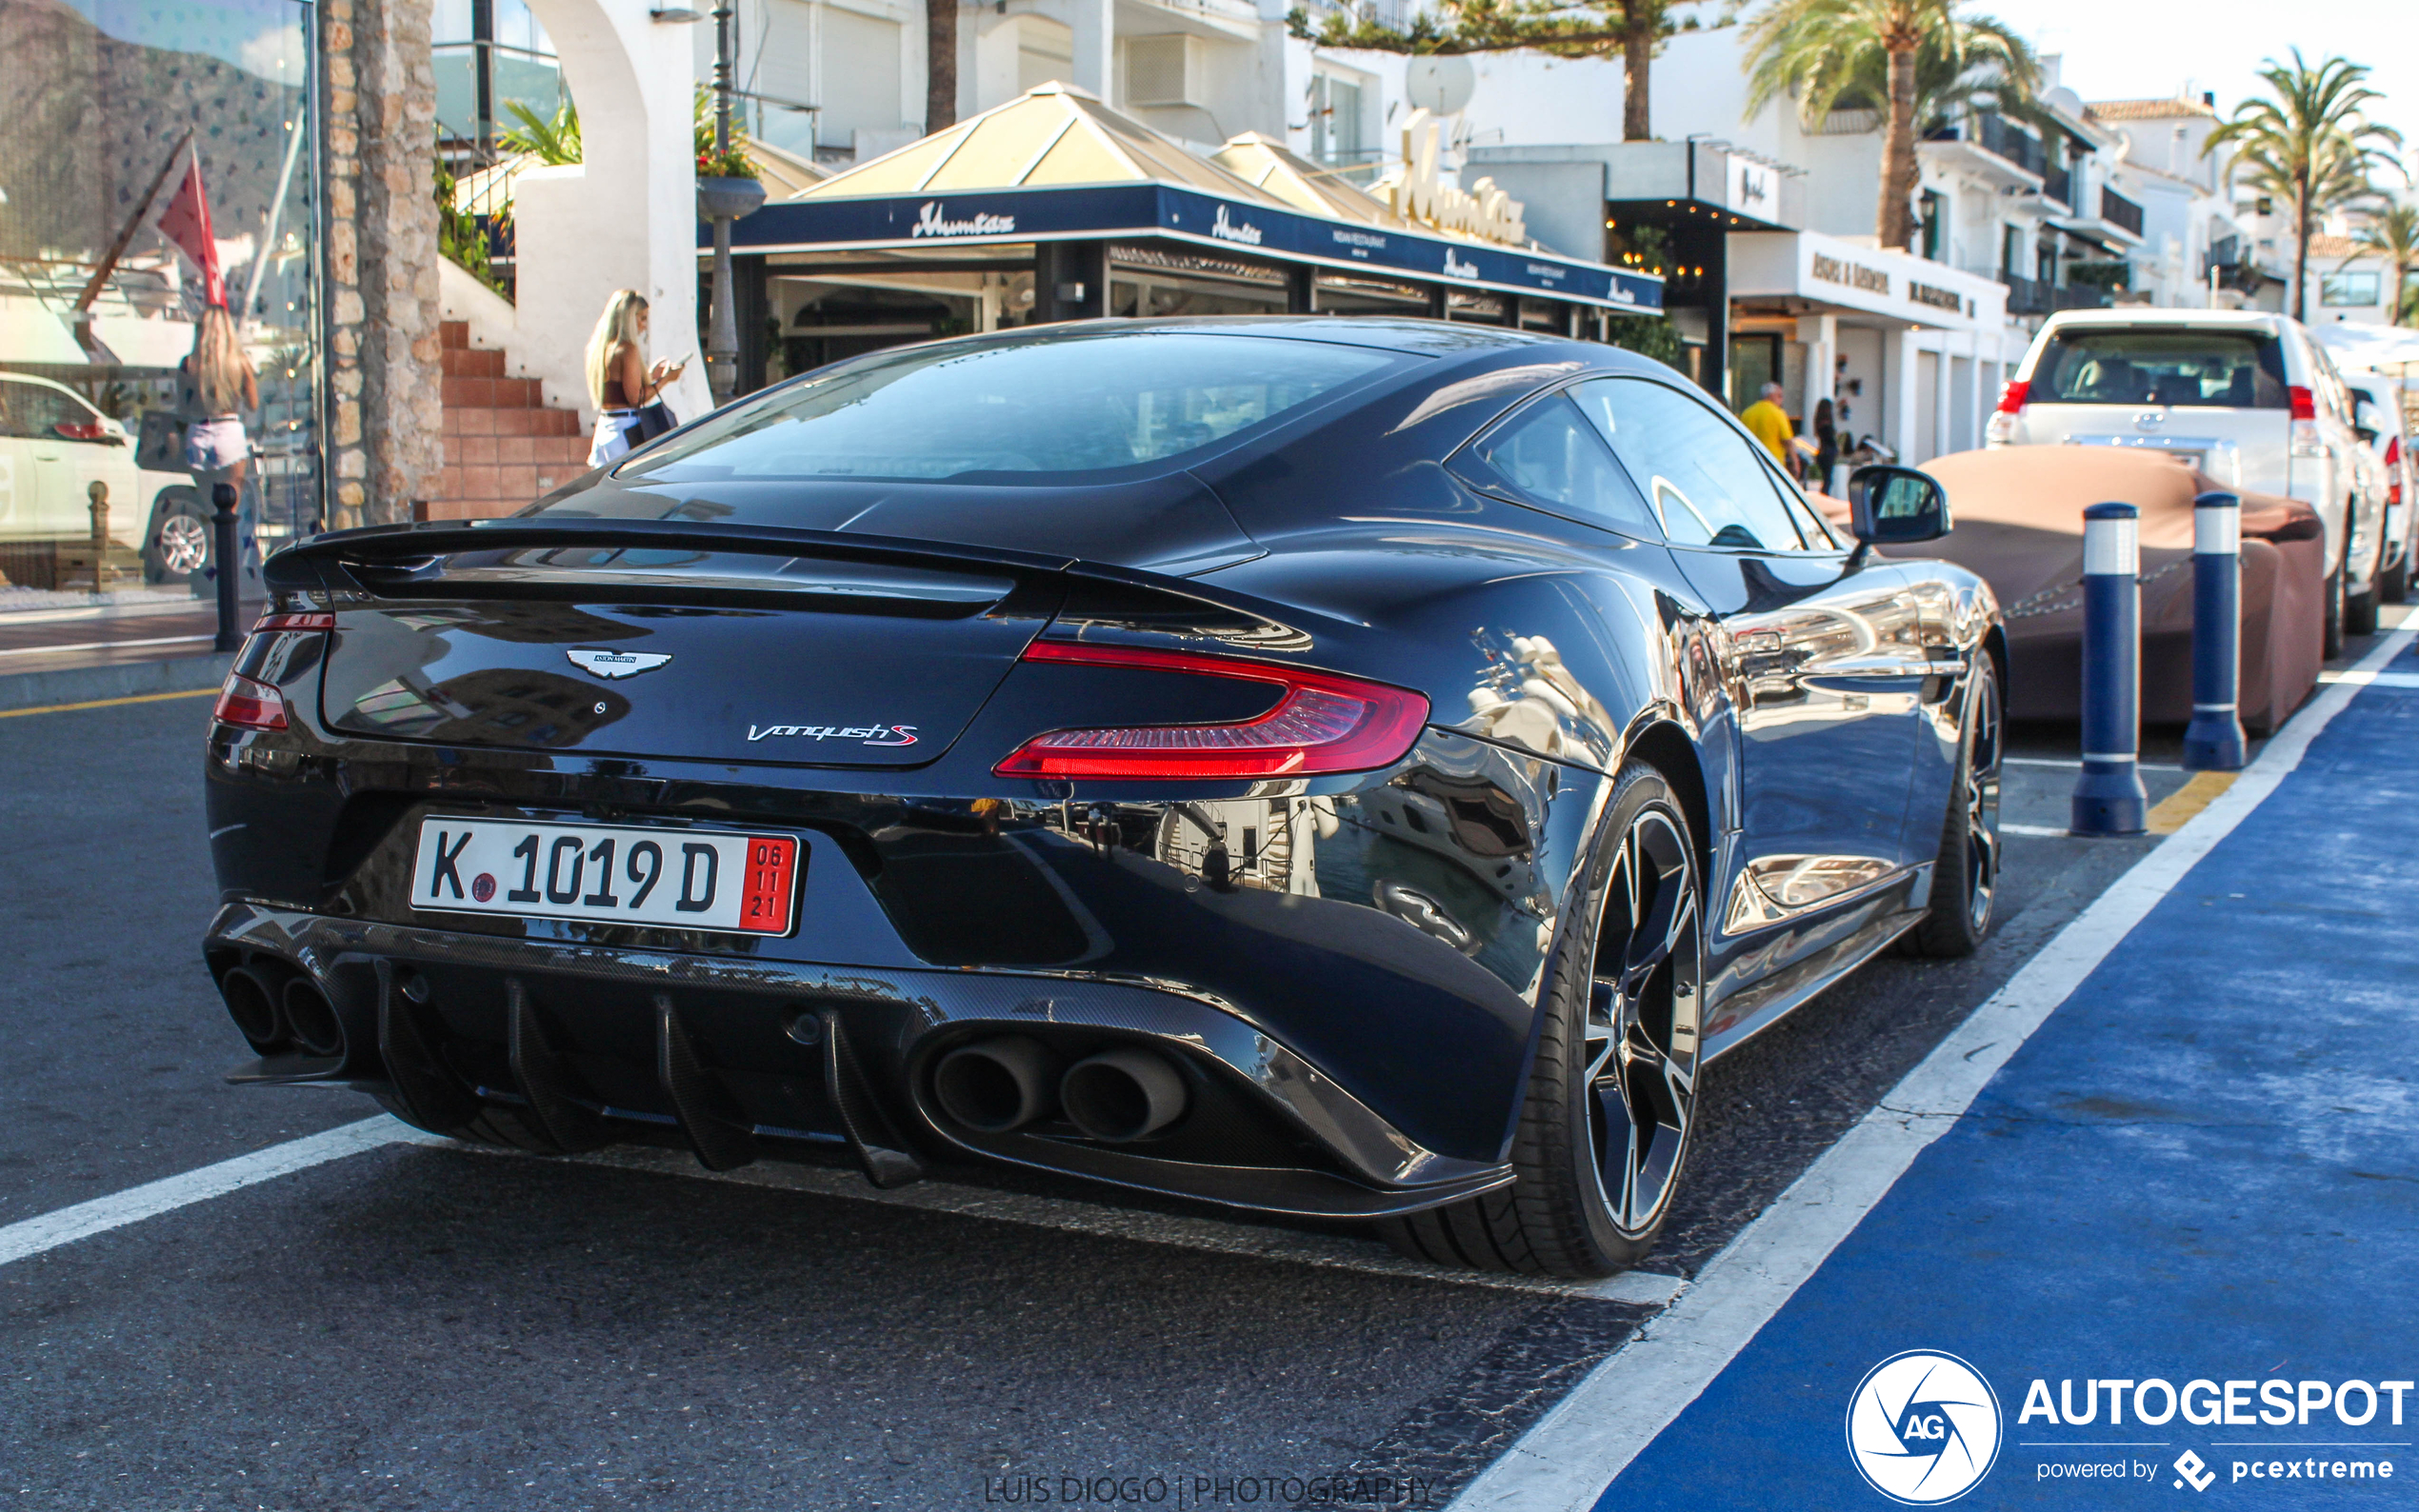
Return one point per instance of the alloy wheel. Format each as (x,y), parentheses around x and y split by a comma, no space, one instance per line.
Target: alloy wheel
(1981,804)
(184,543)
(1641,1041)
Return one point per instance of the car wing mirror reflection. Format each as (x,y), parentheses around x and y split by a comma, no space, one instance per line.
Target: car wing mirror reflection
(1889,506)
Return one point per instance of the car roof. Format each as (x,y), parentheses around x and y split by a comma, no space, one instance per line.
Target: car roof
(1392,333)
(2149,315)
(46,383)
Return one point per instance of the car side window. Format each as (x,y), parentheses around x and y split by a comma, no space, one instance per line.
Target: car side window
(30,412)
(1552,454)
(1704,478)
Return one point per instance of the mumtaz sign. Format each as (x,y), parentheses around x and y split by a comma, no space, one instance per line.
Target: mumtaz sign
(1414,190)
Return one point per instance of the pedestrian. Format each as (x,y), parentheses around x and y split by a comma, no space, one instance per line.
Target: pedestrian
(215,386)
(1826,444)
(1770,422)
(619,382)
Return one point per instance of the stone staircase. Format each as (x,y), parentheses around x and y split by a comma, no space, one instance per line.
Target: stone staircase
(503,445)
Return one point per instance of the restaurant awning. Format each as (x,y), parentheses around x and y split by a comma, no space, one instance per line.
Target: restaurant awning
(1057,165)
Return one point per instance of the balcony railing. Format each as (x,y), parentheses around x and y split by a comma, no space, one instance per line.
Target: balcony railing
(2118,211)
(2057,184)
(2036,296)
(1992,133)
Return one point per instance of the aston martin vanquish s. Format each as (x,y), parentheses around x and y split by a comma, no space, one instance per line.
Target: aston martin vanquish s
(1341,767)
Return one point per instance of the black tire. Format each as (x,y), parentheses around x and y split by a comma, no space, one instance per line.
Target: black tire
(1964,879)
(501,1127)
(2330,641)
(2394,584)
(1613,1096)
(2360,609)
(178,546)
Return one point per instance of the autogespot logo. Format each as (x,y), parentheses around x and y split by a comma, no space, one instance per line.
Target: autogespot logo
(1923,1427)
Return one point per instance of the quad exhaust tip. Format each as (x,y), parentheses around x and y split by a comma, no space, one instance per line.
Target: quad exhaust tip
(310,1019)
(997,1084)
(254,1001)
(1120,1096)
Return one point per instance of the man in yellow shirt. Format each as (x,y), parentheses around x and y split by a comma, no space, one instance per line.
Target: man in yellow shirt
(1770,424)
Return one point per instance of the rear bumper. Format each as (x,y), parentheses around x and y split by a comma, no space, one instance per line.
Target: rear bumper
(1267,1130)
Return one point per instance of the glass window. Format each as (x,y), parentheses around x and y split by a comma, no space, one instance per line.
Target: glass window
(2359,290)
(32,412)
(2161,365)
(1706,478)
(1067,404)
(1549,453)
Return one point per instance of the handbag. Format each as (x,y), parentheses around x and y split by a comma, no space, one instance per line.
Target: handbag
(651,421)
(160,446)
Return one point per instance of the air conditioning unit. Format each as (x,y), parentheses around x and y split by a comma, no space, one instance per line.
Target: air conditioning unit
(1164,70)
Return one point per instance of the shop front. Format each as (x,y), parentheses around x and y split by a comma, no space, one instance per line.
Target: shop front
(1053,207)
(161,160)
(1911,352)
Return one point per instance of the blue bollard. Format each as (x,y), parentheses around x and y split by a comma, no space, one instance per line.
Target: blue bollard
(2213,742)
(2108,799)
(229,565)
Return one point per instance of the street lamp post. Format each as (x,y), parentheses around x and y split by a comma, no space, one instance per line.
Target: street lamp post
(722,327)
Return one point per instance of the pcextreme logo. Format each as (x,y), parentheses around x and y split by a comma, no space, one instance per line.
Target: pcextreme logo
(1923,1427)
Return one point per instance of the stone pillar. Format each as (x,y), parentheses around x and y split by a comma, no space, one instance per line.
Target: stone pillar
(378,131)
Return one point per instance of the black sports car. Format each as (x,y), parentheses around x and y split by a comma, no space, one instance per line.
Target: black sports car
(1342,767)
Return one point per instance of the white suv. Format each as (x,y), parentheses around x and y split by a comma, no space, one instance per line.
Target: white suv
(54,446)
(2245,395)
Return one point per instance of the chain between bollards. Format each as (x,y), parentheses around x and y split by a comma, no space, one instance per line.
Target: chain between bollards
(2213,742)
(229,565)
(2108,798)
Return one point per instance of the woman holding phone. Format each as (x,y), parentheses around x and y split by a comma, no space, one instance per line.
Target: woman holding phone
(619,382)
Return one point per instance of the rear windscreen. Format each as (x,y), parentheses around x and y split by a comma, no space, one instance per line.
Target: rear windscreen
(1053,406)
(2223,368)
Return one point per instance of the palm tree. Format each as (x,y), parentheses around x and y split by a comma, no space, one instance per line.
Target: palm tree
(940,65)
(2310,144)
(2392,238)
(1566,29)
(1832,52)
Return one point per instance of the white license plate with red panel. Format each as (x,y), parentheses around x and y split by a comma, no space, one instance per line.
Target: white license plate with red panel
(681,879)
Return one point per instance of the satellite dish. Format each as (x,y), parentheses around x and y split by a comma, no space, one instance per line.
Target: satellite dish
(1441,82)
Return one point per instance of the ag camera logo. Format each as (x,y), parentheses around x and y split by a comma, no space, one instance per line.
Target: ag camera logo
(1923,1427)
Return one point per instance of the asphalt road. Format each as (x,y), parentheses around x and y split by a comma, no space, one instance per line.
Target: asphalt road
(437,1327)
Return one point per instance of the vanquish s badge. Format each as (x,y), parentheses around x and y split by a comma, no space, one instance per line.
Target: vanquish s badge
(862,734)
(600,662)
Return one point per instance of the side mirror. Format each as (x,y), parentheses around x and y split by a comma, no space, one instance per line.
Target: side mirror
(1896,507)
(2367,435)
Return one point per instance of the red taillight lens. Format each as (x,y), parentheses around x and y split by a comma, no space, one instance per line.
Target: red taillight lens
(248,703)
(2013,397)
(2304,403)
(1322,722)
(295,622)
(80,429)
(2393,452)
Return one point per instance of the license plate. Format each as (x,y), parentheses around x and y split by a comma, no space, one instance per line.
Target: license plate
(686,879)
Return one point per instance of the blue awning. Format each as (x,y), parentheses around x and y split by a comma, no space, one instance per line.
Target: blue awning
(1169,213)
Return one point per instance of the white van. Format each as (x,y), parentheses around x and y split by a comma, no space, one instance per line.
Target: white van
(2376,405)
(2245,395)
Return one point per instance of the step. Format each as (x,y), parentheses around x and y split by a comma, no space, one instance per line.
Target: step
(521,483)
(470,362)
(478,420)
(468,509)
(541,452)
(454,333)
(493,394)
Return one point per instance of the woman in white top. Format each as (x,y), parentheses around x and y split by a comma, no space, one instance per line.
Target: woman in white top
(619,382)
(215,386)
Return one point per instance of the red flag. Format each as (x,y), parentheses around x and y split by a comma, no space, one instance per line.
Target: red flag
(186,222)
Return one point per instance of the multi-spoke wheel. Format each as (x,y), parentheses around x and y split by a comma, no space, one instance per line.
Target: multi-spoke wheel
(1604,1128)
(180,546)
(1964,882)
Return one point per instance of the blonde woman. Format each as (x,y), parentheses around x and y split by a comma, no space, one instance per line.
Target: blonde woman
(215,387)
(619,382)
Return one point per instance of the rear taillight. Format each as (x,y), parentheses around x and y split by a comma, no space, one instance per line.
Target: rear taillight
(2304,403)
(1322,722)
(248,703)
(295,622)
(2012,398)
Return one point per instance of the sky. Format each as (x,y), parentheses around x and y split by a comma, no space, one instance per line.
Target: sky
(2116,50)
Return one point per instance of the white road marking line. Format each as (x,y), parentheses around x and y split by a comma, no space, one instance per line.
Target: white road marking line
(1333,1252)
(2359,678)
(2037,831)
(65,1225)
(103,645)
(1572,1454)
(2072,764)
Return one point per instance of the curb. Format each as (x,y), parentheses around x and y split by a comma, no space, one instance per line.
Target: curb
(81,685)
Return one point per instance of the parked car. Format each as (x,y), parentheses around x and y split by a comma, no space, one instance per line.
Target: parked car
(2245,396)
(1357,768)
(2378,409)
(54,446)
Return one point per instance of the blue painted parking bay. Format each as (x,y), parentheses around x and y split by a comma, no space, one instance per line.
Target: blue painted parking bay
(2203,1167)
